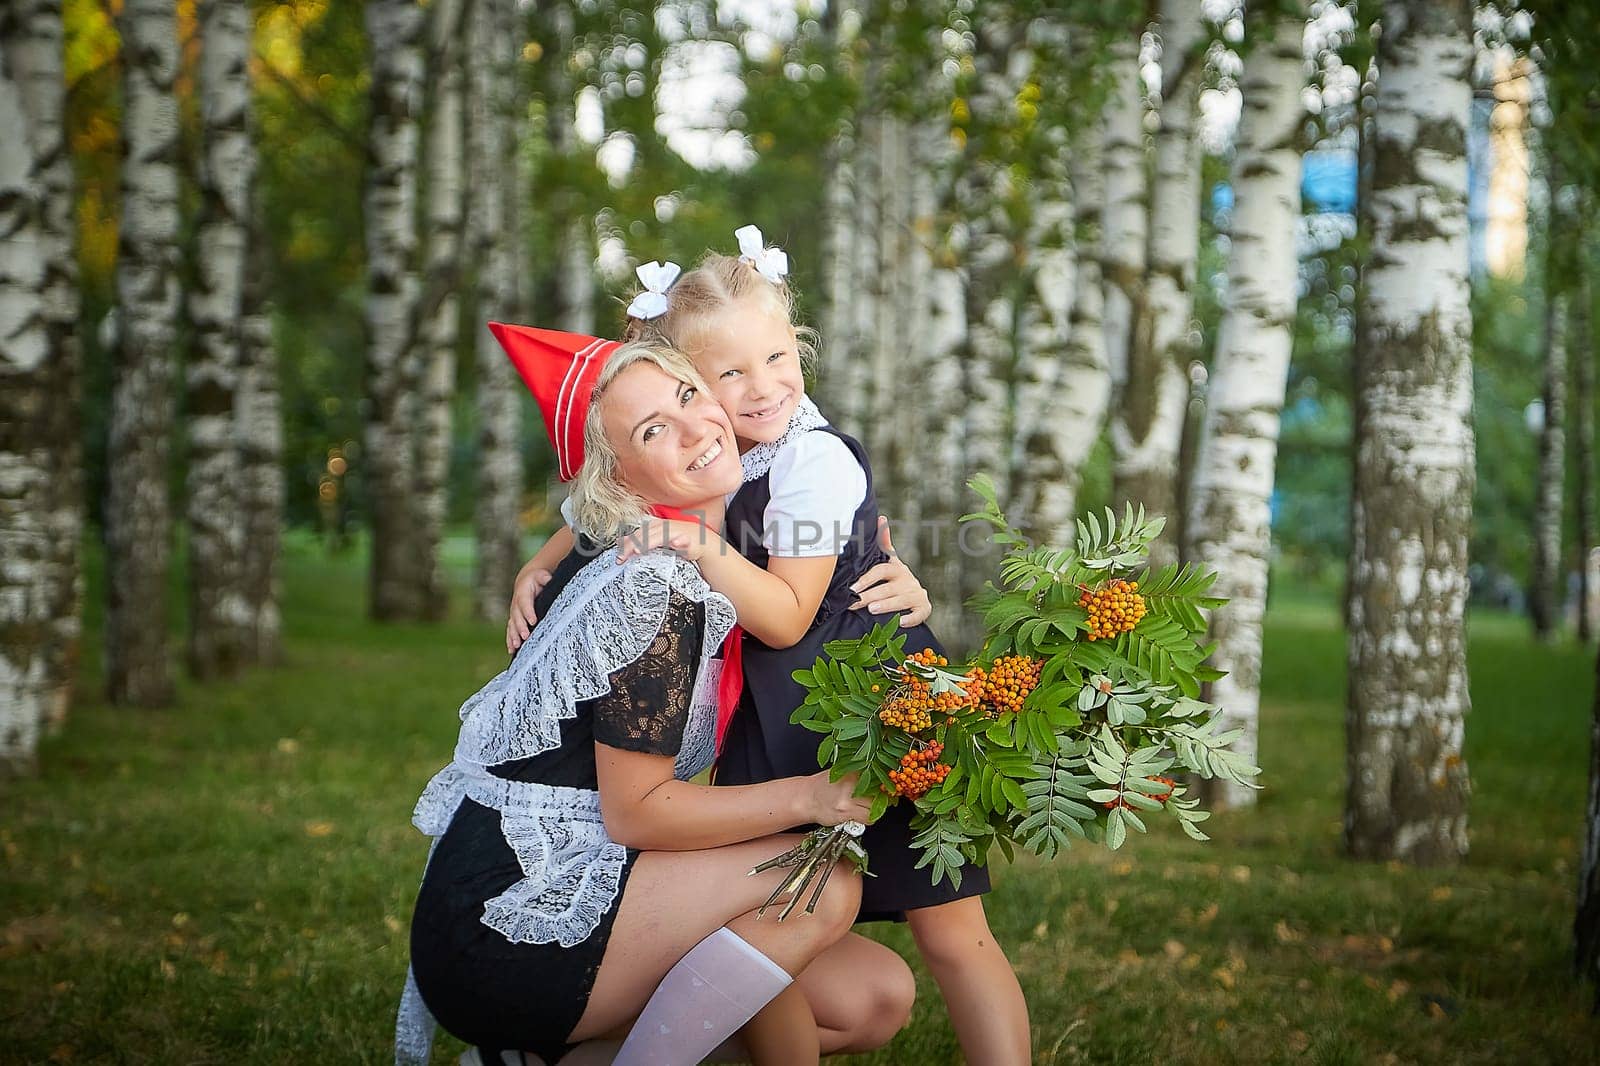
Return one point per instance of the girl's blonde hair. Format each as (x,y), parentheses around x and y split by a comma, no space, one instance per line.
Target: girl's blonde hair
(604,508)
(716,284)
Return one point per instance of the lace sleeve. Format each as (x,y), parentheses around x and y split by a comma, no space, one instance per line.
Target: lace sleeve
(648,704)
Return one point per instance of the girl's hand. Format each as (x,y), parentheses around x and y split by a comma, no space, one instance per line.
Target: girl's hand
(891,586)
(522,616)
(691,540)
(832,802)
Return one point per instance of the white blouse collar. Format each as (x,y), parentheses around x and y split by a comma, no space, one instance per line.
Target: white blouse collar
(758,460)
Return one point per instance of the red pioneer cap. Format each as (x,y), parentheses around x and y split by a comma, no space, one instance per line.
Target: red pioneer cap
(560,370)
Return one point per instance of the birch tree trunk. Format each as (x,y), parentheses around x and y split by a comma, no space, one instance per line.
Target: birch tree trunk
(1407,784)
(574,280)
(260,459)
(1068,420)
(1231,524)
(1544,605)
(493,146)
(1126,216)
(217,607)
(442,327)
(394,28)
(138,513)
(1148,427)
(1583,457)
(35,55)
(25,453)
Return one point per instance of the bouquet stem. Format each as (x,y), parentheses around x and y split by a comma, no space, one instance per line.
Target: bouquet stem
(811,860)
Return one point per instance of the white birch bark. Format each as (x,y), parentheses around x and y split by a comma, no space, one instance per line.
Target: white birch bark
(1230,528)
(394,28)
(1407,781)
(442,325)
(1126,215)
(138,512)
(1583,358)
(35,56)
(1544,602)
(218,612)
(985,241)
(25,446)
(261,485)
(1066,418)
(1147,430)
(492,131)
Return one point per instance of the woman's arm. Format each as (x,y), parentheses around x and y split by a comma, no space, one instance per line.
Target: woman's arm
(645,807)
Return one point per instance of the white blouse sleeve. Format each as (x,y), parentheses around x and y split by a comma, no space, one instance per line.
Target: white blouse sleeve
(817,485)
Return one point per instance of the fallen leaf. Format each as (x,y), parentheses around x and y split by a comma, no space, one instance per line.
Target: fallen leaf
(1224,976)
(1286,934)
(1299,1041)
(169,971)
(180,920)
(288,746)
(1122,868)
(1240,874)
(1440,894)
(319,829)
(392,923)
(1174,949)
(62,1053)
(1398,989)
(1206,916)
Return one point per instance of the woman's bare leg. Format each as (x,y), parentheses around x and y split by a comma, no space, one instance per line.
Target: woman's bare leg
(980,988)
(673,900)
(784,1032)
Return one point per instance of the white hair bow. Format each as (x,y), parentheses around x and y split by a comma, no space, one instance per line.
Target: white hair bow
(656,278)
(772,263)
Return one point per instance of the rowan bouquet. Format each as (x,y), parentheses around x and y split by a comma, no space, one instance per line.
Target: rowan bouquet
(1077,718)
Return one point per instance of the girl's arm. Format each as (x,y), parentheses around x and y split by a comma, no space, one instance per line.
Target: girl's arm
(535,573)
(645,807)
(775,605)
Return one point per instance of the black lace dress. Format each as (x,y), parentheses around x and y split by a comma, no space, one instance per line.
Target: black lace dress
(483,988)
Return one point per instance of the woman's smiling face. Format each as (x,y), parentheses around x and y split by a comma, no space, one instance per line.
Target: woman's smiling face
(674,444)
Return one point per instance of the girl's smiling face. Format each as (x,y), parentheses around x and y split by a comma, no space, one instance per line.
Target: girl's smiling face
(751,358)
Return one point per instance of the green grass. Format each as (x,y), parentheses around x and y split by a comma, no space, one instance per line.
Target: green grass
(230,880)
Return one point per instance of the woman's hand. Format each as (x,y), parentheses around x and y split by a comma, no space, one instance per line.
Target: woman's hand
(832,802)
(522,617)
(891,586)
(691,540)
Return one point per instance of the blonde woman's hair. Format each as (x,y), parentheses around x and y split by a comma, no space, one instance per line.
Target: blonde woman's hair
(604,508)
(716,284)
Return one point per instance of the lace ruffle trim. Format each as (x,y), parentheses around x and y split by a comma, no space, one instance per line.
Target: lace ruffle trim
(758,460)
(571,868)
(603,620)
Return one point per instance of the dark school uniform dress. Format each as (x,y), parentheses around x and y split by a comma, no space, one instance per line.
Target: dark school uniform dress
(762,745)
(480,986)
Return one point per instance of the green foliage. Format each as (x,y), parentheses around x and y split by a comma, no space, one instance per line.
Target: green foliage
(1088,750)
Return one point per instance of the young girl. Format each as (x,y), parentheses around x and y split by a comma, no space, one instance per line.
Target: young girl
(804,526)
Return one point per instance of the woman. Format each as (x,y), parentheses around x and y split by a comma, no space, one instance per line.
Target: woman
(579,877)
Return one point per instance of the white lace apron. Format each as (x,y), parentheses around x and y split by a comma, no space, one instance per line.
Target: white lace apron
(603,620)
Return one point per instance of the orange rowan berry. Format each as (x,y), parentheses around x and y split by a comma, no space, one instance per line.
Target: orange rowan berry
(1114,608)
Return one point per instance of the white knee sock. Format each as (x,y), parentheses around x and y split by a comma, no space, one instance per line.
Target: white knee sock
(707,997)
